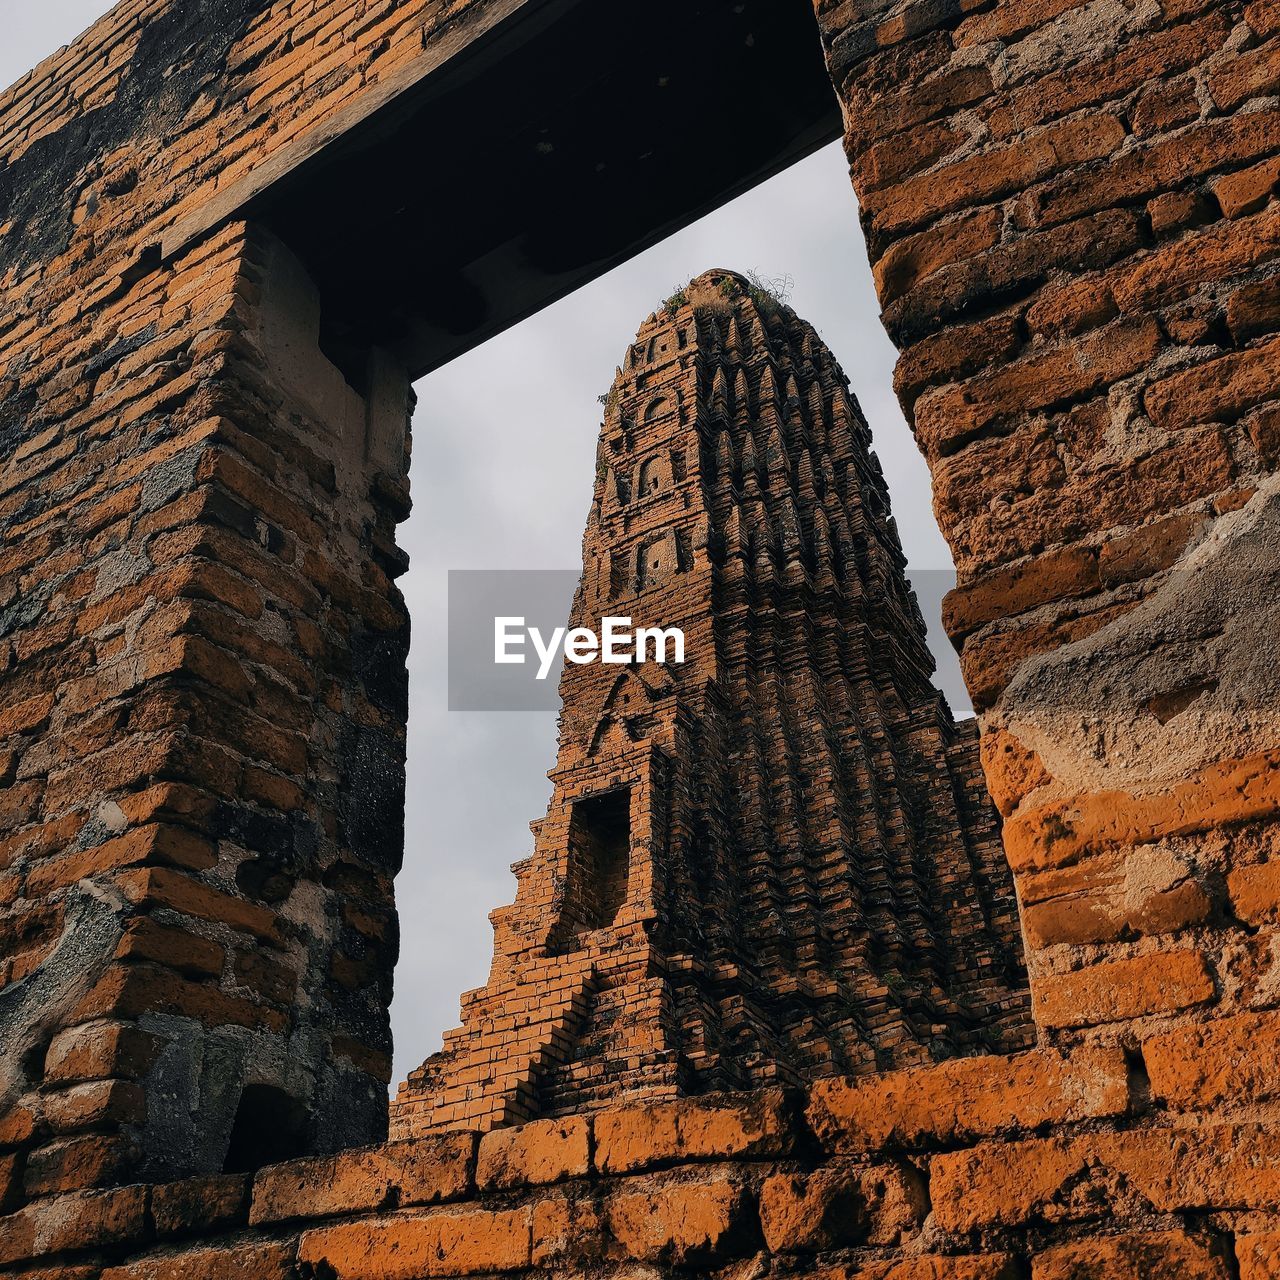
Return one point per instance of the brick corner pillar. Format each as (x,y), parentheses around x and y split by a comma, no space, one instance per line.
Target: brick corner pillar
(1072,217)
(201,724)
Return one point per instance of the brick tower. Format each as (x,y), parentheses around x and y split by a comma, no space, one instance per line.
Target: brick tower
(777,860)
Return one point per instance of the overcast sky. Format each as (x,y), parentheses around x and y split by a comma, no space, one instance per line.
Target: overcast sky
(504,449)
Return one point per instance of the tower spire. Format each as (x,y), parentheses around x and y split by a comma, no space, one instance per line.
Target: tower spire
(769,862)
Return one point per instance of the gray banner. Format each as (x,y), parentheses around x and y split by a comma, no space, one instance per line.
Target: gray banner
(517,612)
(478,598)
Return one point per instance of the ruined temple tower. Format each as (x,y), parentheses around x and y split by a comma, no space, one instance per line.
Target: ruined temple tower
(777,860)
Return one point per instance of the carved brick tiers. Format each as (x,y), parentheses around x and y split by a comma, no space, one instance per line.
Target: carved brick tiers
(799,874)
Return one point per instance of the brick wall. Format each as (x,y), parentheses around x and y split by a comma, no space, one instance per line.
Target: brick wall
(938,1173)
(160,105)
(1070,207)
(204,739)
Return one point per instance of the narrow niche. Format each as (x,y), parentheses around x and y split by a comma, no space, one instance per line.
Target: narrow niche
(650,476)
(270,1127)
(599,861)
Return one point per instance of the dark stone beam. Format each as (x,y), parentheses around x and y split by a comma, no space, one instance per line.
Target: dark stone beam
(549,141)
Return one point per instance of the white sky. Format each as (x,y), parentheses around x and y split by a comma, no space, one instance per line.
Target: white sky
(504,451)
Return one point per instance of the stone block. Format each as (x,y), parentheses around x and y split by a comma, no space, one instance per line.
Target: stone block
(682,1222)
(533,1154)
(87,1220)
(841,1205)
(1258,1256)
(1132,1257)
(411,1246)
(755,1126)
(1119,990)
(1210,1064)
(1094,1176)
(970,1098)
(246,1261)
(98,1051)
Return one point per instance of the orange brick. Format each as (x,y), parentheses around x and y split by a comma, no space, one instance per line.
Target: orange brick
(84,1106)
(244,1261)
(1091,1176)
(428,1170)
(1263,16)
(129,992)
(85,1220)
(22,717)
(1254,310)
(17,1124)
(1132,1257)
(70,1164)
(1145,57)
(912,258)
(163,887)
(10,1181)
(1233,791)
(989,1266)
(169,802)
(1109,898)
(953,354)
(1255,892)
(1258,1256)
(998,172)
(533,1154)
(178,949)
(1117,990)
(969,1098)
(947,418)
(1176,270)
(1247,190)
(1219,391)
(1133,556)
(841,1205)
(410,1246)
(1057,575)
(1159,166)
(683,1223)
(100,1051)
(568,1228)
(1252,74)
(1207,1064)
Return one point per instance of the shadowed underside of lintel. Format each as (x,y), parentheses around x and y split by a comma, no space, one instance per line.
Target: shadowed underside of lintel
(540,144)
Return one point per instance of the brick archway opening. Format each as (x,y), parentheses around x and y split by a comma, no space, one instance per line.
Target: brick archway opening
(1071,209)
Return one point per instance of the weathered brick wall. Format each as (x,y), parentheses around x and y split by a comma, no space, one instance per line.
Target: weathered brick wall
(1070,207)
(204,729)
(938,1173)
(162,104)
(809,886)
